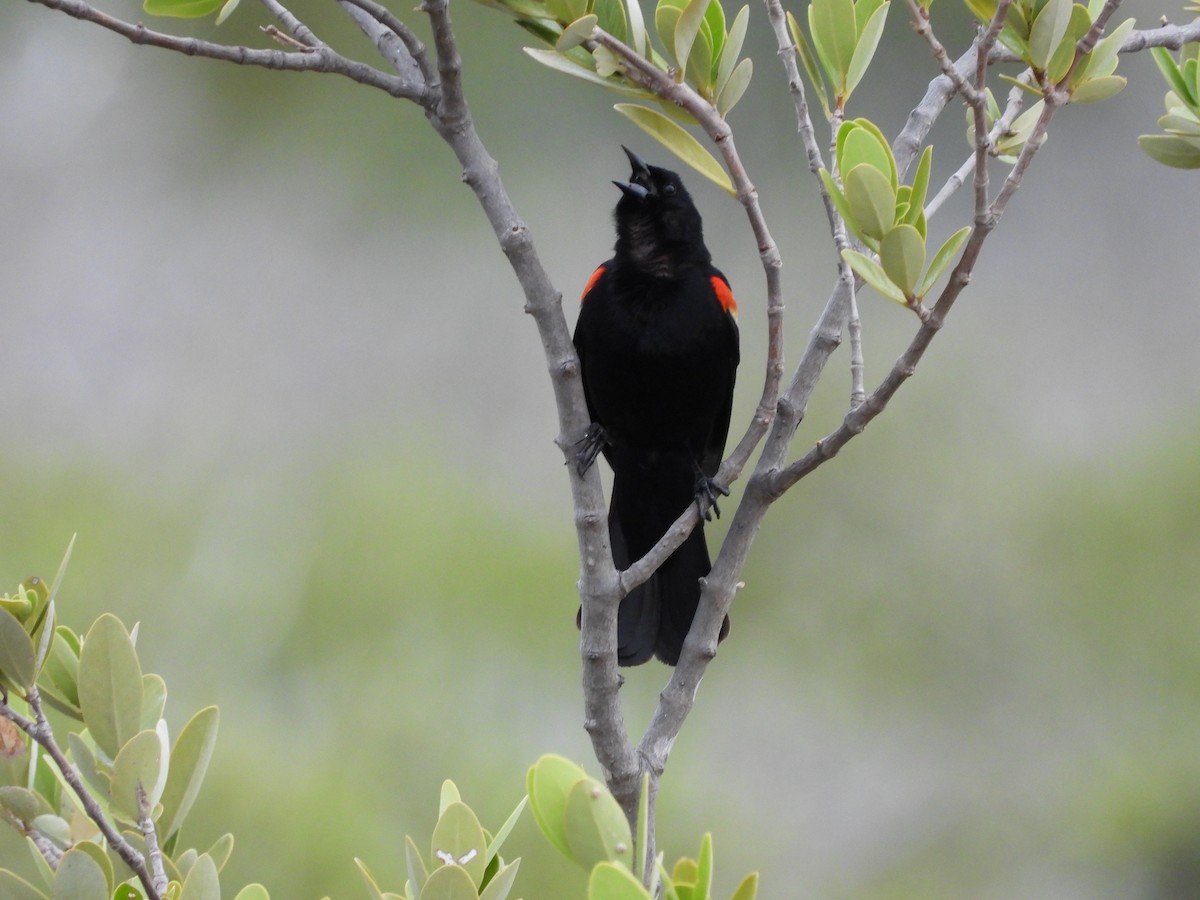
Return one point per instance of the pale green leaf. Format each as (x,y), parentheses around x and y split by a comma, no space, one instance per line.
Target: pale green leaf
(864,51)
(920,187)
(872,200)
(96,774)
(942,259)
(201,882)
(839,200)
(17,663)
(1182,123)
(1172,150)
(595,826)
(835,34)
(732,49)
(809,61)
(227,10)
(611,17)
(1096,89)
(1064,55)
(610,881)
(96,852)
(736,86)
(1103,58)
(872,273)
(748,889)
(79,877)
(500,885)
(1173,75)
(14,888)
(221,850)
(714,27)
(110,685)
(189,762)
(253,892)
(704,868)
(449,883)
(139,764)
(458,840)
(576,33)
(506,829)
(678,141)
(637,26)
(182,9)
(902,255)
(548,783)
(369,880)
(1048,30)
(417,873)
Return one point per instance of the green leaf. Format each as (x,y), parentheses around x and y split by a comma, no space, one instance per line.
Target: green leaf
(253,892)
(23,804)
(943,258)
(140,762)
(1064,55)
(610,881)
(154,699)
(182,9)
(576,33)
(704,868)
(500,885)
(1173,75)
(678,141)
(864,51)
(687,30)
(221,850)
(201,882)
(548,783)
(95,774)
(554,60)
(872,200)
(227,10)
(1047,31)
(839,201)
(611,16)
(417,873)
(1182,123)
(595,826)
(96,852)
(110,685)
(736,86)
(748,889)
(189,762)
(496,842)
(17,663)
(902,255)
(732,49)
(458,840)
(1096,89)
(449,883)
(62,672)
(637,26)
(871,272)
(1103,58)
(714,27)
(920,187)
(1171,150)
(834,33)
(861,141)
(79,877)
(369,878)
(14,888)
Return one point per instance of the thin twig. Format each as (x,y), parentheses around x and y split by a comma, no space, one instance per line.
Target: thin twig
(295,27)
(150,833)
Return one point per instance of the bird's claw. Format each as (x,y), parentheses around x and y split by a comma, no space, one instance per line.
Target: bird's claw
(588,447)
(707,491)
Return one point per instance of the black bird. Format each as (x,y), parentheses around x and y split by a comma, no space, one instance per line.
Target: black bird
(657,340)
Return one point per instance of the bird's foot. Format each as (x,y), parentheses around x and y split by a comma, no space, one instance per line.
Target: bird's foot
(707,491)
(588,447)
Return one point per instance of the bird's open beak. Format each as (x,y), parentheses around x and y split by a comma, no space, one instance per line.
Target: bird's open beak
(639,182)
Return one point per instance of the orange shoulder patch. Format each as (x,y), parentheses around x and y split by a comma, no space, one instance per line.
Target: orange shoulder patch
(724,295)
(591,283)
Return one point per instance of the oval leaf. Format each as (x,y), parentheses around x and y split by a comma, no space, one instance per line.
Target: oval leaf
(735,86)
(902,255)
(871,272)
(449,883)
(835,33)
(576,33)
(864,51)
(110,685)
(14,888)
(201,882)
(687,26)
(872,200)
(16,652)
(189,762)
(944,257)
(501,883)
(253,892)
(1047,31)
(596,826)
(748,889)
(1171,150)
(548,783)
(139,764)
(1096,89)
(78,877)
(555,60)
(678,141)
(458,840)
(609,881)
(732,48)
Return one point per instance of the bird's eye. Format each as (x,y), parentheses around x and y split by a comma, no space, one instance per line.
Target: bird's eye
(668,190)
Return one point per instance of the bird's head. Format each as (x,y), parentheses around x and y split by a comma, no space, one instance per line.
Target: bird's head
(658,226)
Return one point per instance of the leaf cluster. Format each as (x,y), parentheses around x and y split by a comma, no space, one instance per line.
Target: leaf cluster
(1180,146)
(845,36)
(888,217)
(464,861)
(584,822)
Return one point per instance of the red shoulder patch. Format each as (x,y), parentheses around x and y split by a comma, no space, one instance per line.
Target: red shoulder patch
(724,295)
(591,283)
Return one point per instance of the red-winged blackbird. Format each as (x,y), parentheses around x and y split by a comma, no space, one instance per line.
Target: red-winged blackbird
(657,340)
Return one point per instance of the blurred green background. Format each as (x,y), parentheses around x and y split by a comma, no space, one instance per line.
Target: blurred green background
(262,353)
